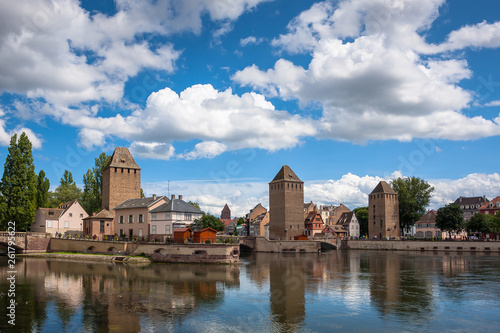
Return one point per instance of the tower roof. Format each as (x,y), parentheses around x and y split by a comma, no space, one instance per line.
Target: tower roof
(383,187)
(286,173)
(122,158)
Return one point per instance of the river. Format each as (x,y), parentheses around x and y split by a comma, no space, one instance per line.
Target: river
(339,291)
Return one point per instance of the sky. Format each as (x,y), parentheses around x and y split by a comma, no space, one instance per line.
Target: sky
(213,97)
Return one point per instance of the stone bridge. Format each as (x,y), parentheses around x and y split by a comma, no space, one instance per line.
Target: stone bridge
(262,244)
(25,242)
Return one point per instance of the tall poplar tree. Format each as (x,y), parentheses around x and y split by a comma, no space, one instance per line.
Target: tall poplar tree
(66,191)
(18,186)
(92,185)
(42,190)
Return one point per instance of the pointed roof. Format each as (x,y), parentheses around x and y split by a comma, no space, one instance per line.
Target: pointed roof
(383,187)
(122,158)
(103,214)
(51,213)
(286,173)
(429,217)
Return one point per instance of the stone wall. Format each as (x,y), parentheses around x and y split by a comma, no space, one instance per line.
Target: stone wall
(465,246)
(262,244)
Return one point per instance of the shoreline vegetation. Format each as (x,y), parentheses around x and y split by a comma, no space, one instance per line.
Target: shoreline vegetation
(90,257)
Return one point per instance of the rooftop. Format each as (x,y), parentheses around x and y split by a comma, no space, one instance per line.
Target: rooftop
(383,187)
(286,173)
(122,158)
(139,203)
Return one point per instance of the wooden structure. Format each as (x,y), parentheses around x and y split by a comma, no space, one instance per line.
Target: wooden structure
(205,235)
(300,237)
(181,234)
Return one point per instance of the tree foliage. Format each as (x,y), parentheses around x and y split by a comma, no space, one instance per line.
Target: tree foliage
(194,204)
(142,194)
(66,191)
(92,185)
(18,186)
(450,218)
(414,196)
(241,221)
(208,221)
(42,190)
(362,216)
(481,223)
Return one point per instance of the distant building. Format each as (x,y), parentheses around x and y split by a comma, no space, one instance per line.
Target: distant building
(286,202)
(470,205)
(68,218)
(121,179)
(257,226)
(426,228)
(309,207)
(331,214)
(350,223)
(98,225)
(225,214)
(173,214)
(383,212)
(132,217)
(313,223)
(491,207)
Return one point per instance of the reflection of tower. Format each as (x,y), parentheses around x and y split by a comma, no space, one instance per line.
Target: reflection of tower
(385,281)
(383,212)
(286,203)
(121,179)
(287,288)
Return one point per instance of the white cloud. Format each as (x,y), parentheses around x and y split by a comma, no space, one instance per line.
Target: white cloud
(205,149)
(380,83)
(493,103)
(90,138)
(5,135)
(153,150)
(479,35)
(251,40)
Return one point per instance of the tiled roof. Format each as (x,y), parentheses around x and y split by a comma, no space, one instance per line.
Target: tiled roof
(122,158)
(103,214)
(383,187)
(468,201)
(139,203)
(51,213)
(493,202)
(286,173)
(429,217)
(345,218)
(177,205)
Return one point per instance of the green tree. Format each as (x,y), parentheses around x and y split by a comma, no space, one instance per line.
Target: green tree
(414,196)
(92,185)
(42,190)
(362,216)
(66,191)
(142,194)
(241,221)
(194,204)
(450,218)
(18,186)
(480,223)
(208,221)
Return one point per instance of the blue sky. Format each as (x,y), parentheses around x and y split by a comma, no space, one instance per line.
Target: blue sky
(213,97)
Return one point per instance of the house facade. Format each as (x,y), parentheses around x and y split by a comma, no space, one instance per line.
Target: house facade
(350,223)
(132,217)
(173,214)
(99,225)
(313,224)
(66,219)
(257,227)
(426,228)
(470,205)
(331,214)
(491,207)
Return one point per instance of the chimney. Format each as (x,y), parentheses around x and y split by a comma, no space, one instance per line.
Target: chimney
(172,197)
(94,213)
(180,197)
(154,197)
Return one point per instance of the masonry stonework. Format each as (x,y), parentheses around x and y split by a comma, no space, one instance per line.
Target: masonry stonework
(286,204)
(383,212)
(121,179)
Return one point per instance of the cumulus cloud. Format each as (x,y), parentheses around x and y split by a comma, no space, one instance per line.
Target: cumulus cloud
(153,150)
(251,40)
(205,149)
(372,73)
(493,103)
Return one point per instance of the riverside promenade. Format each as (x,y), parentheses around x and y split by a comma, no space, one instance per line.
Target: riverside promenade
(412,245)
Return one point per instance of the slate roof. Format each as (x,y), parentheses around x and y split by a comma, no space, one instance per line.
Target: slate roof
(428,218)
(122,158)
(470,201)
(345,218)
(177,205)
(51,213)
(138,203)
(103,214)
(286,173)
(383,187)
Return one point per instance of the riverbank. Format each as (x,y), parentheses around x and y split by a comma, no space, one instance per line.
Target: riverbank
(412,245)
(90,257)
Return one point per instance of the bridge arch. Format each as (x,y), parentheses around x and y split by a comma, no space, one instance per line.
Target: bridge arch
(113,250)
(4,245)
(91,249)
(161,251)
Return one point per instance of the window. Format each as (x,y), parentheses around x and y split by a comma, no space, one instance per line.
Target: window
(153,229)
(179,216)
(140,232)
(49,224)
(81,215)
(140,218)
(121,219)
(167,216)
(66,224)
(167,229)
(131,219)
(115,169)
(153,216)
(187,216)
(101,227)
(121,230)
(70,214)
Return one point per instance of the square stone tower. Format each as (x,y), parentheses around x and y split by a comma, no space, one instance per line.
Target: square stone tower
(121,179)
(286,204)
(383,212)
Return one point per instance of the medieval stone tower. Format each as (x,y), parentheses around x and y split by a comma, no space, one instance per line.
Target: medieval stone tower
(383,212)
(121,179)
(286,204)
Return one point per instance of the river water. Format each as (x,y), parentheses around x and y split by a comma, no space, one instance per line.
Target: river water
(339,291)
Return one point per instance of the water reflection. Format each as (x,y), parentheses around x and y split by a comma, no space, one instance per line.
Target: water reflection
(338,291)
